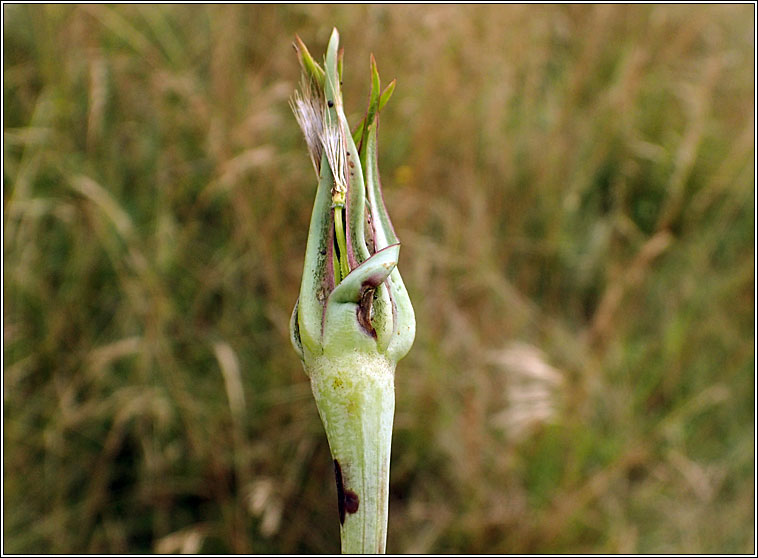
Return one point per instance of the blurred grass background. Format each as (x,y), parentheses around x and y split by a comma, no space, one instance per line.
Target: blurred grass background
(573,186)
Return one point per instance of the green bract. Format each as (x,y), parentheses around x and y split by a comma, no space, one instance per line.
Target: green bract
(353,320)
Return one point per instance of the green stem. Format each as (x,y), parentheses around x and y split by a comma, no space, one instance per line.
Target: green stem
(355,397)
(339,232)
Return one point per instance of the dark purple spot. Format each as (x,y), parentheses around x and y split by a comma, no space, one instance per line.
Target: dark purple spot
(351,501)
(330,103)
(340,491)
(347,500)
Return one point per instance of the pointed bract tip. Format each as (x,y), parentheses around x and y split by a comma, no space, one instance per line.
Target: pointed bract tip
(298,44)
(387,93)
(307,63)
(335,36)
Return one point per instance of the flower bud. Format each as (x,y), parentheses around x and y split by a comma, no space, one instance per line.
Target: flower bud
(353,320)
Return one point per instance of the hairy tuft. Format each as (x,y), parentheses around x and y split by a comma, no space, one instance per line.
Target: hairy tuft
(309,113)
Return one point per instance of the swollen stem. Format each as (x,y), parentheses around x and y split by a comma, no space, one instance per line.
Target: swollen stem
(355,397)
